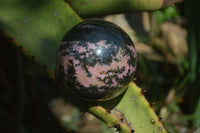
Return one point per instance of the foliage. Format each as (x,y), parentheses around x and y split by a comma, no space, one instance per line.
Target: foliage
(37,27)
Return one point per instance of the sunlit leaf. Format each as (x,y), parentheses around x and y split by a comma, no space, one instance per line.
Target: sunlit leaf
(37,25)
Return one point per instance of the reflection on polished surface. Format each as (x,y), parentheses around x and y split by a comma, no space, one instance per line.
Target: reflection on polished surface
(99,51)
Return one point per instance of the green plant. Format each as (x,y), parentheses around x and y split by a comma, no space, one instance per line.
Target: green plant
(37,27)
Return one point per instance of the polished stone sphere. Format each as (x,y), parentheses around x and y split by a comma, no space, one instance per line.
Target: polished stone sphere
(96,60)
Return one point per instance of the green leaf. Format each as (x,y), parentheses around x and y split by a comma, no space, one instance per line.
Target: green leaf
(103,7)
(138,111)
(160,17)
(133,112)
(166,13)
(37,25)
(170,12)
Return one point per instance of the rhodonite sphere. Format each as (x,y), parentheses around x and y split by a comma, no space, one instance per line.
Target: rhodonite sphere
(96,60)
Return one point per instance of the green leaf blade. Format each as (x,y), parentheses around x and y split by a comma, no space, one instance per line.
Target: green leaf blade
(38,26)
(138,111)
(131,113)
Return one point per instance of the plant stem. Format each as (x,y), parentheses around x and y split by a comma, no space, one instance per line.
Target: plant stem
(87,8)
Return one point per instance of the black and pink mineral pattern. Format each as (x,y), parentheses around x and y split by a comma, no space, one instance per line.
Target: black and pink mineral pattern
(96,60)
